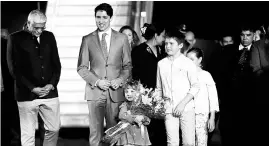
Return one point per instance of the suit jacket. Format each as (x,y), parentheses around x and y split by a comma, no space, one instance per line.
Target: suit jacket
(32,64)
(261,52)
(261,70)
(92,64)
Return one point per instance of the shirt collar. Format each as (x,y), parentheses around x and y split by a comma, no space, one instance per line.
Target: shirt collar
(108,32)
(241,47)
(176,58)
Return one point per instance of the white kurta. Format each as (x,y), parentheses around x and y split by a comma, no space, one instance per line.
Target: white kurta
(175,79)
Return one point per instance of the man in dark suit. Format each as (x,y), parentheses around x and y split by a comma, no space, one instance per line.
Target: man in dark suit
(34,63)
(245,72)
(107,54)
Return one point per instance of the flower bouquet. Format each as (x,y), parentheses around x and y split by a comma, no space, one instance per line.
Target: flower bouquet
(143,102)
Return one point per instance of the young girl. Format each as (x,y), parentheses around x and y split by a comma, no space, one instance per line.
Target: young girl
(134,136)
(206,101)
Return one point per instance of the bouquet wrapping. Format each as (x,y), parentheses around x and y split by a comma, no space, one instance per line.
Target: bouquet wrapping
(114,133)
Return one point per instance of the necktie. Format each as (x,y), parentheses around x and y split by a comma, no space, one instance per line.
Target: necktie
(104,45)
(243,57)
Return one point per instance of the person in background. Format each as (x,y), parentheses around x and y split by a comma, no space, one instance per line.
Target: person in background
(260,61)
(34,63)
(246,78)
(257,35)
(190,38)
(226,40)
(10,121)
(146,55)
(105,65)
(131,34)
(206,101)
(145,58)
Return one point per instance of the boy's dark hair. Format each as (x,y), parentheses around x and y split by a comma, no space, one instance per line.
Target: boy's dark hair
(175,34)
(104,7)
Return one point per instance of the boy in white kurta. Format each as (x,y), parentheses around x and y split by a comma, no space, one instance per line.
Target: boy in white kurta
(177,80)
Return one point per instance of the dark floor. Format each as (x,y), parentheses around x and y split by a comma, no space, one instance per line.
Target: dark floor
(79,137)
(71,137)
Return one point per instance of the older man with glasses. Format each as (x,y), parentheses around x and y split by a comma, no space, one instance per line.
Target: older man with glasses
(34,63)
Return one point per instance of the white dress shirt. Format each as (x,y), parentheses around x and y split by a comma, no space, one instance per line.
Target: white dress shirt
(175,79)
(241,47)
(107,38)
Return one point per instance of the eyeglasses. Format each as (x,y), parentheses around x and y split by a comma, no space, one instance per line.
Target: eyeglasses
(42,28)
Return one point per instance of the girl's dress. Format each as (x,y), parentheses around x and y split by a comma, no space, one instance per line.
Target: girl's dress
(205,101)
(133,135)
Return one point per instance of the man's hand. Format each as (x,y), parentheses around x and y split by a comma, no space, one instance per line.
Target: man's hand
(49,87)
(179,109)
(103,84)
(116,83)
(41,92)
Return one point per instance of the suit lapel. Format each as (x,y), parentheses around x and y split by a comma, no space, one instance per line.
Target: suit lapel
(112,42)
(98,43)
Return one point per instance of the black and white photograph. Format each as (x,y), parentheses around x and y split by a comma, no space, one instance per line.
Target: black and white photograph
(134,73)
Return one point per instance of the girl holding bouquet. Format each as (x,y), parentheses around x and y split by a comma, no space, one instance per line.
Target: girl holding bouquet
(137,134)
(206,101)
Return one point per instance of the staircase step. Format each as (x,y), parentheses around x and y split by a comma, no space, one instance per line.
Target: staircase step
(87,20)
(70,74)
(77,31)
(77,10)
(74,41)
(71,108)
(73,31)
(88,2)
(74,120)
(72,97)
(71,86)
(74,114)
(69,62)
(69,52)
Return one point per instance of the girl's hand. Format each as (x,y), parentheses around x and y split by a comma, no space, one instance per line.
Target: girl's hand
(211,124)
